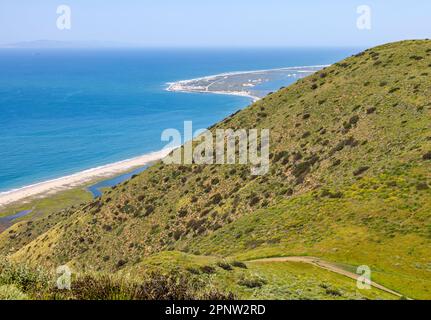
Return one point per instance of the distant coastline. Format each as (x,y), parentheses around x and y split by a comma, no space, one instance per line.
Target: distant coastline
(239,83)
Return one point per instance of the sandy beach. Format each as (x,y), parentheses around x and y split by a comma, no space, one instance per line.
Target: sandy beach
(78,179)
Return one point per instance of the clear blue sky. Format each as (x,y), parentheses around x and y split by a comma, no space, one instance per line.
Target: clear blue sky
(224,23)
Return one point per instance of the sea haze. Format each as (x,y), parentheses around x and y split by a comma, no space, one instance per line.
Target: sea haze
(63,110)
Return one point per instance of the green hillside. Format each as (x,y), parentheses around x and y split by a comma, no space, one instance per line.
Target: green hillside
(349,182)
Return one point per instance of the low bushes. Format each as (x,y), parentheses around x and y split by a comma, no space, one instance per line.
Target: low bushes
(20,282)
(252,282)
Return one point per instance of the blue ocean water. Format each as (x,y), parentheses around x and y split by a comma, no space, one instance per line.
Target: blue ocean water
(64,111)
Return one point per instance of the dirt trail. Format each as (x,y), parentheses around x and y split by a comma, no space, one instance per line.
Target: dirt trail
(327,266)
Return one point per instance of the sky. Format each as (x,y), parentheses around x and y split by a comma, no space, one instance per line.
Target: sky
(217,23)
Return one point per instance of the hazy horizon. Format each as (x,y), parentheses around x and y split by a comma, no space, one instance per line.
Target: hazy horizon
(212,24)
(50,44)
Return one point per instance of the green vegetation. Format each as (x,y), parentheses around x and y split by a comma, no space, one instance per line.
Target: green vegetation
(256,280)
(349,182)
(25,282)
(49,204)
(46,212)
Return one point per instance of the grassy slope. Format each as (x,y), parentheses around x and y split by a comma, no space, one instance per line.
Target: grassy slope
(258,280)
(46,213)
(348,182)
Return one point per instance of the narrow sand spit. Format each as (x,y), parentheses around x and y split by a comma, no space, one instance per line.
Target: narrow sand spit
(78,179)
(203,84)
(181,87)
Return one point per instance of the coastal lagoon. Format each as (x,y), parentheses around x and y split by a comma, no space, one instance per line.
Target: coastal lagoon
(65,111)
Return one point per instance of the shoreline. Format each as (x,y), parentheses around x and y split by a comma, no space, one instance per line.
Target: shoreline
(172,88)
(50,187)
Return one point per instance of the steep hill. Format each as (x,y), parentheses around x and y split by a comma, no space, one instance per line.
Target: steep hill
(349,182)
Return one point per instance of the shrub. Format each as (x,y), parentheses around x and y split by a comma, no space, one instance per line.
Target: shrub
(216,226)
(354,120)
(371,110)
(216,199)
(417,58)
(208,269)
(333,292)
(128,209)
(182,213)
(195,224)
(427,156)
(225,266)
(336,163)
(303,168)
(20,282)
(340,146)
(281,155)
(422,186)
(194,271)
(306,135)
(177,234)
(360,171)
(286,192)
(238,264)
(252,282)
(323,75)
(254,200)
(121,263)
(332,195)
(156,286)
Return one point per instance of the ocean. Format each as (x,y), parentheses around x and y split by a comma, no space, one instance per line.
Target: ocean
(65,111)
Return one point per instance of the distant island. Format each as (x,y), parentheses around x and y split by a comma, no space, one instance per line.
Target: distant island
(53,44)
